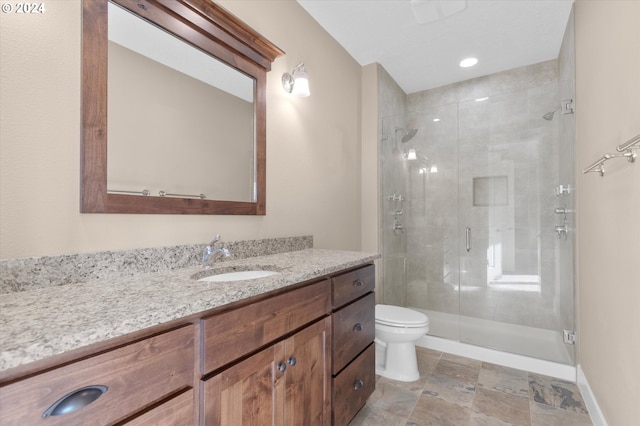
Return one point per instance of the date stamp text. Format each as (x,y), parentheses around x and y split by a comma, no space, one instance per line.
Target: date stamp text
(23,8)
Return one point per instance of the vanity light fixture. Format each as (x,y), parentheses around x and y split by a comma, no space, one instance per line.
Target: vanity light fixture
(468,62)
(297,83)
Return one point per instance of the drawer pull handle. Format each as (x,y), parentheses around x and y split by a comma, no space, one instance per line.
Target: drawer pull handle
(292,360)
(358,283)
(75,400)
(282,366)
(357,327)
(358,384)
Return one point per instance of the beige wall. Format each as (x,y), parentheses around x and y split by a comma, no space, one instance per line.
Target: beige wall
(607,114)
(313,153)
(370,183)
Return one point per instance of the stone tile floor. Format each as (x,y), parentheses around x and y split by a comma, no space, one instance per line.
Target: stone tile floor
(459,391)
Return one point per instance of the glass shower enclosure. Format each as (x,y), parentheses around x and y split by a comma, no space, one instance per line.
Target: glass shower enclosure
(477,219)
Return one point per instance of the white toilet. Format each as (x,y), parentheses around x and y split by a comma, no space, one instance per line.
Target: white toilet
(397,330)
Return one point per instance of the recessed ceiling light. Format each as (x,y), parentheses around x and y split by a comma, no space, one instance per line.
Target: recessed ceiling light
(482,99)
(436,119)
(468,62)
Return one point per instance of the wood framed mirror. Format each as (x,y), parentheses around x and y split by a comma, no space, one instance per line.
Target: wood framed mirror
(130,186)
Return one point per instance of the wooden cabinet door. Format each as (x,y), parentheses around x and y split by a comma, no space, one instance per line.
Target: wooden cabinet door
(248,393)
(288,383)
(308,376)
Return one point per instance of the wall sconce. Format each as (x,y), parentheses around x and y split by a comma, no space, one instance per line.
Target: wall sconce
(296,83)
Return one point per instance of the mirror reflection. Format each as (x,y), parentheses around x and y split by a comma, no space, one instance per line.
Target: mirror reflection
(180,122)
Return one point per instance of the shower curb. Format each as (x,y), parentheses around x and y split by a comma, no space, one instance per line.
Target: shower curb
(521,362)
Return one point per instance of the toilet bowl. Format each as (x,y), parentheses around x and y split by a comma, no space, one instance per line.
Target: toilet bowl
(397,330)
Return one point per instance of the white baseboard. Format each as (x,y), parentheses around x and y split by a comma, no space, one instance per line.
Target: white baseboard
(548,368)
(597,417)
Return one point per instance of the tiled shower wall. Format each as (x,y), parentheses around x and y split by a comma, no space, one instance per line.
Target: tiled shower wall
(392,103)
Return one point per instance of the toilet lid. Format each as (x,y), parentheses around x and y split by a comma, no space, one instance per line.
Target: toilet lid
(387,314)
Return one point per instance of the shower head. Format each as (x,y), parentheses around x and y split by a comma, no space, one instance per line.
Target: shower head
(549,116)
(408,134)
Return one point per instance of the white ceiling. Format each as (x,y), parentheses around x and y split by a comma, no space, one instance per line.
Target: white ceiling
(502,34)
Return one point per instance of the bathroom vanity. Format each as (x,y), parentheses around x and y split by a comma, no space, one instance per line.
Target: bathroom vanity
(293,348)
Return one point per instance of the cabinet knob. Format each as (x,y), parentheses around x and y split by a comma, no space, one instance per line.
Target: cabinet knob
(292,360)
(358,283)
(357,327)
(358,384)
(282,366)
(75,400)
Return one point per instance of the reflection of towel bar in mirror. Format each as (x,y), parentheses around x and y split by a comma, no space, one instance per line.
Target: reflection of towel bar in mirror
(627,150)
(167,194)
(144,192)
(147,193)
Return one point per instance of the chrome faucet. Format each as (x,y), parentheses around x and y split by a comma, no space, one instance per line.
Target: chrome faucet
(211,254)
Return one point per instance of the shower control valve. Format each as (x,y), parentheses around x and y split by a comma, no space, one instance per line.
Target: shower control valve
(561,231)
(562,190)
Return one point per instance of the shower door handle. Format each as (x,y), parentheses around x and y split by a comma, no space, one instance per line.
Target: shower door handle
(468,237)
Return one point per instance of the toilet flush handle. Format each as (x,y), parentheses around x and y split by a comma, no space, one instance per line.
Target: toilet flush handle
(380,342)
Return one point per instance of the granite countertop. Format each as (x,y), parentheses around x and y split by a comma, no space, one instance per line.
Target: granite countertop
(43,322)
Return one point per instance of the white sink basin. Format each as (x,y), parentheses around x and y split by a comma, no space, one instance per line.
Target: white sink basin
(237,276)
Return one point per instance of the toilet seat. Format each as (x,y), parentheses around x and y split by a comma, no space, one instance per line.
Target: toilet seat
(396,316)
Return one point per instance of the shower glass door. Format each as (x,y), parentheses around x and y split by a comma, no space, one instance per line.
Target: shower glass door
(420,234)
(469,221)
(510,298)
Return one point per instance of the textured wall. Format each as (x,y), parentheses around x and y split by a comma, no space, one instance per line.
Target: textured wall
(608,114)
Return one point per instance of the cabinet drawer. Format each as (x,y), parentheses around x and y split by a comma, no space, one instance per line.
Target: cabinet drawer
(136,376)
(353,386)
(351,285)
(233,334)
(353,330)
(177,411)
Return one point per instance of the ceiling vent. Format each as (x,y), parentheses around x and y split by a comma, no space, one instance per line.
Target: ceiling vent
(426,11)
